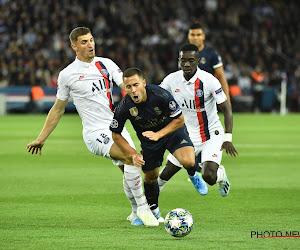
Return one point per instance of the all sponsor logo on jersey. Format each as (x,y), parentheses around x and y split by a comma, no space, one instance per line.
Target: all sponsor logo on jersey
(114,123)
(157,110)
(100,87)
(190,105)
(199,92)
(172,105)
(81,77)
(134,111)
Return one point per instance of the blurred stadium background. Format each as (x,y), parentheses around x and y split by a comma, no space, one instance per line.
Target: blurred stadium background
(258,41)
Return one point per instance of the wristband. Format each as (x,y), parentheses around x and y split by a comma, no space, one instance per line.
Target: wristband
(228,137)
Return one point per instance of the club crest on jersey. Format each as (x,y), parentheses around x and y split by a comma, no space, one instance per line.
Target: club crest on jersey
(172,105)
(199,92)
(157,110)
(104,71)
(134,111)
(106,140)
(114,123)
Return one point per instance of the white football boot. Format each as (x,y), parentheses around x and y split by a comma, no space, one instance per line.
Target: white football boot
(146,216)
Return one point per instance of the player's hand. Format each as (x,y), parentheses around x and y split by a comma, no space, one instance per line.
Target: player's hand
(35,147)
(138,160)
(151,135)
(229,148)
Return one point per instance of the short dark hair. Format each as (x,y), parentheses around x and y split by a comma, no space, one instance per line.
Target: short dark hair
(79,31)
(189,47)
(195,25)
(133,71)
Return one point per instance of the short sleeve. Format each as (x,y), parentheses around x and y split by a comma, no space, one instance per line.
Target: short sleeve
(165,84)
(172,107)
(217,60)
(120,116)
(63,92)
(116,73)
(217,90)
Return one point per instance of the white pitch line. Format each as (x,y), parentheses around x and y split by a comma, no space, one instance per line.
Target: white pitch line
(270,154)
(274,146)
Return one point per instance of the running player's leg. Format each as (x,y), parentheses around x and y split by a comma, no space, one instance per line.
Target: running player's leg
(182,149)
(101,143)
(171,168)
(212,171)
(152,190)
(132,177)
(153,160)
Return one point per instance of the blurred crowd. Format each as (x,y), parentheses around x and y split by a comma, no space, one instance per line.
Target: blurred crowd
(257,39)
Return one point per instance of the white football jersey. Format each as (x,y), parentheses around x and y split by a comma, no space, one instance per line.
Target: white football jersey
(90,85)
(197,99)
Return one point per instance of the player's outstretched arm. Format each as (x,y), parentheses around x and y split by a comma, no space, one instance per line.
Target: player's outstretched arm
(52,120)
(228,122)
(174,125)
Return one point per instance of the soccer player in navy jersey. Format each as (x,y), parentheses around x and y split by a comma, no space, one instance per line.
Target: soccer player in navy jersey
(209,59)
(159,125)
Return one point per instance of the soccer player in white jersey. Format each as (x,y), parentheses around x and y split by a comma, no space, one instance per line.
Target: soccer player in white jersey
(89,81)
(197,92)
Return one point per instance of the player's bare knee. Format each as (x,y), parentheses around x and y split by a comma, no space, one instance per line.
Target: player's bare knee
(188,162)
(151,176)
(150,179)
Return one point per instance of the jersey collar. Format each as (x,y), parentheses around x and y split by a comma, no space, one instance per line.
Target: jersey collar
(85,64)
(194,78)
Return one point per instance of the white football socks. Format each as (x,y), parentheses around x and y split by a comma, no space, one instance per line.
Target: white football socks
(129,195)
(134,181)
(220,175)
(161,183)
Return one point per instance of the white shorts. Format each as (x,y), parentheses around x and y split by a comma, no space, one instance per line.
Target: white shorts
(100,142)
(209,150)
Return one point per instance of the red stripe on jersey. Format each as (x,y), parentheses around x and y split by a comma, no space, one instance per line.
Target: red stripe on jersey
(107,83)
(199,114)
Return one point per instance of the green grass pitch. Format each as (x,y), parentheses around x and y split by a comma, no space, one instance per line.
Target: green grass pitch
(69,198)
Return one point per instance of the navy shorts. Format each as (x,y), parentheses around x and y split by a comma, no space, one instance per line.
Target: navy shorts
(154,157)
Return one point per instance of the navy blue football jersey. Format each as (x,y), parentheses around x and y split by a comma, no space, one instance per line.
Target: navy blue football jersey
(157,112)
(209,60)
